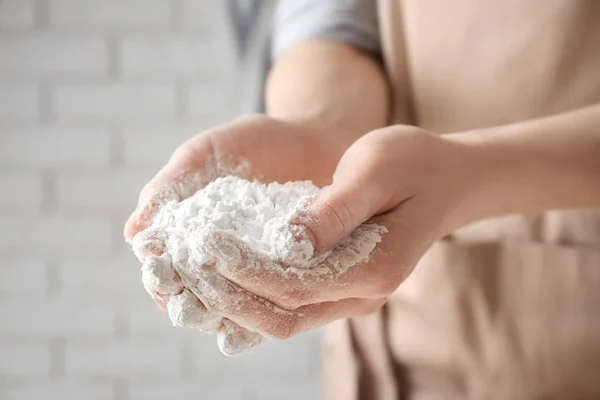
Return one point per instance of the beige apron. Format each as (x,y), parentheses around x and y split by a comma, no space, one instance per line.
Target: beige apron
(505,309)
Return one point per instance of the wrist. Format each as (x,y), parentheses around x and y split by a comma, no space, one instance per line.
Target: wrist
(469,181)
(510,175)
(488,176)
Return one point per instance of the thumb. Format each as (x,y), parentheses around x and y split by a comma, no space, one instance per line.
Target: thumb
(356,195)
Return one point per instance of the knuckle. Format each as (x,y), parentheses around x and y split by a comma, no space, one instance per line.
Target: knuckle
(339,215)
(285,327)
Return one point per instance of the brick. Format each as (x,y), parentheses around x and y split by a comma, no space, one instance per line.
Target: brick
(16,14)
(210,363)
(196,390)
(153,147)
(212,100)
(203,15)
(60,318)
(59,390)
(24,360)
(292,357)
(108,102)
(160,56)
(44,56)
(101,278)
(55,234)
(23,276)
(110,14)
(294,390)
(124,360)
(295,357)
(55,147)
(20,191)
(145,320)
(18,102)
(101,190)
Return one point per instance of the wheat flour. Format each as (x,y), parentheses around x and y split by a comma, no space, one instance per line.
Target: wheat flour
(183,248)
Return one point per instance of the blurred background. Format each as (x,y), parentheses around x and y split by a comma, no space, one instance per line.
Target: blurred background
(94,97)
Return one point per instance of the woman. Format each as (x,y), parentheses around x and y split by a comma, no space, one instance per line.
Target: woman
(471,130)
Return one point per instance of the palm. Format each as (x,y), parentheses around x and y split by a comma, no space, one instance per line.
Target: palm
(268,150)
(256,147)
(253,148)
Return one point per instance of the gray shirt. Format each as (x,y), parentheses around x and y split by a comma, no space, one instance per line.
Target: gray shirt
(349,21)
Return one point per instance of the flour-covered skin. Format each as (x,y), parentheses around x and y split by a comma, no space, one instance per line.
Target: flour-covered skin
(233,229)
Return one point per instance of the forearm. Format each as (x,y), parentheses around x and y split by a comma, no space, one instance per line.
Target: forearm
(550,163)
(329,83)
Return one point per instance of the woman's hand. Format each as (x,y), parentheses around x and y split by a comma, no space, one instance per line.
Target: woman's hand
(412,182)
(419,185)
(422,187)
(253,147)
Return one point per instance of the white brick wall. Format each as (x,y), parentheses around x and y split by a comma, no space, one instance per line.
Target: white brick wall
(23,276)
(100,102)
(141,318)
(94,97)
(139,360)
(101,190)
(23,317)
(20,190)
(210,100)
(160,56)
(55,233)
(24,360)
(41,56)
(16,14)
(40,148)
(288,390)
(19,102)
(186,390)
(110,14)
(203,15)
(271,360)
(59,390)
(102,277)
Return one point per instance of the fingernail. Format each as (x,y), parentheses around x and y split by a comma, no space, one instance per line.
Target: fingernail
(305,221)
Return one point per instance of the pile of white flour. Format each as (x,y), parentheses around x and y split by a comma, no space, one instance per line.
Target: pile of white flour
(190,240)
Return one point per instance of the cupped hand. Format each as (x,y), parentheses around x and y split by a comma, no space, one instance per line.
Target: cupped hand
(412,182)
(254,147)
(416,184)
